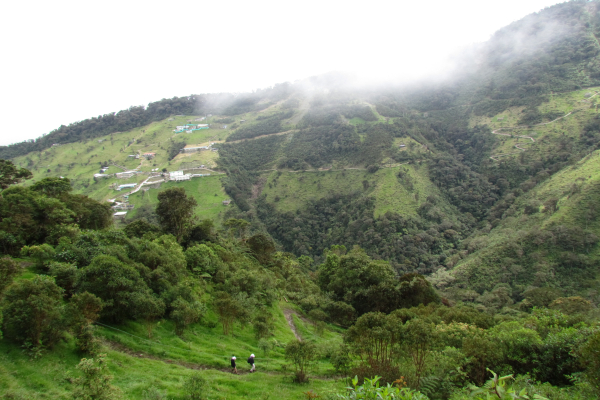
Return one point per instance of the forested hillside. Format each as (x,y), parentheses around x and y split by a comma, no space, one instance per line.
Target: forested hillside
(433,235)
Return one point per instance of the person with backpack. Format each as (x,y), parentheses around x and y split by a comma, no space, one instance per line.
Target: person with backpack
(251,362)
(233,365)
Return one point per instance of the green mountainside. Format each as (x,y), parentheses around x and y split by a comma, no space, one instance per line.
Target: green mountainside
(435,229)
(406,173)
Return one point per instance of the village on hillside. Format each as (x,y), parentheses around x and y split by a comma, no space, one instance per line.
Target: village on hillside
(154,176)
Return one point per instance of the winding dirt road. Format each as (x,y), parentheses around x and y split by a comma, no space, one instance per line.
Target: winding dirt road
(497,132)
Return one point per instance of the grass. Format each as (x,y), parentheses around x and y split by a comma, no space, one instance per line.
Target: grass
(166,361)
(46,378)
(391,195)
(207,191)
(571,212)
(294,190)
(79,161)
(356,121)
(544,135)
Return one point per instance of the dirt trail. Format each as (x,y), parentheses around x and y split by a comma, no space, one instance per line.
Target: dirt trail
(262,136)
(140,354)
(288,316)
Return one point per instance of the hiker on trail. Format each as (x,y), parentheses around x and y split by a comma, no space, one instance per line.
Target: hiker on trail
(233,365)
(251,362)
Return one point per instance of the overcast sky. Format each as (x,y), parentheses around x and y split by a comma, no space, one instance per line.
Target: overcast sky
(64,61)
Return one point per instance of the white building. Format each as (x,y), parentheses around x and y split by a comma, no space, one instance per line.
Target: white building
(120,215)
(179,176)
(101,176)
(127,185)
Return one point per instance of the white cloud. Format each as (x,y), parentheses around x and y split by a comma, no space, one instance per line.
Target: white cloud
(65,61)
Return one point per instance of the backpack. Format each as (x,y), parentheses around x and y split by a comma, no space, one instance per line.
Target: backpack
(250,360)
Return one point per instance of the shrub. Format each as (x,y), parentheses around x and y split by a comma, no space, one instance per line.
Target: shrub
(8,270)
(571,305)
(83,309)
(64,275)
(195,387)
(266,346)
(152,393)
(41,254)
(263,324)
(119,285)
(371,390)
(186,313)
(33,311)
(341,360)
(589,356)
(302,355)
(95,382)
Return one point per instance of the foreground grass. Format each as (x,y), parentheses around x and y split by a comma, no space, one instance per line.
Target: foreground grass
(48,377)
(165,362)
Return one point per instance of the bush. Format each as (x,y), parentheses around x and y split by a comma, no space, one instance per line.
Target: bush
(195,387)
(64,275)
(263,324)
(341,360)
(33,311)
(9,268)
(152,393)
(95,382)
(571,305)
(589,355)
(186,313)
(83,309)
(302,355)
(371,390)
(119,285)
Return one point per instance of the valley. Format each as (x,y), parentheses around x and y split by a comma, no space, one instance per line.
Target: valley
(431,235)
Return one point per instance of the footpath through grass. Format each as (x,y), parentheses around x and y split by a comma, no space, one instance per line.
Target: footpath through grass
(165,361)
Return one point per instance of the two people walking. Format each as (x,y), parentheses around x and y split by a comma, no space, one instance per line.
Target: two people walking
(250,361)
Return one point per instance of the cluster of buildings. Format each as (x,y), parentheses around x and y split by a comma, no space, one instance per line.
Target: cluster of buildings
(103,173)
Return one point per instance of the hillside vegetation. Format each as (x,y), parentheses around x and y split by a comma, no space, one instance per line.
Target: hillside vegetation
(431,236)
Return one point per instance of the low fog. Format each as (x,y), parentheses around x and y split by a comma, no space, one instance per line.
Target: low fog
(67,61)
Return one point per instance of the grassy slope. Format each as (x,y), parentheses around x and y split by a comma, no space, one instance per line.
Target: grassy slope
(570,126)
(207,191)
(81,160)
(166,361)
(296,189)
(572,207)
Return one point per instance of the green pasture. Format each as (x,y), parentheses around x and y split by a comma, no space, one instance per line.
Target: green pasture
(289,191)
(207,191)
(79,161)
(165,362)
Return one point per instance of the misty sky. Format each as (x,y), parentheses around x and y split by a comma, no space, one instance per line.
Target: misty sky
(64,61)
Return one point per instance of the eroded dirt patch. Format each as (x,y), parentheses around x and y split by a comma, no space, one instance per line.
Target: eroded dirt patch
(288,316)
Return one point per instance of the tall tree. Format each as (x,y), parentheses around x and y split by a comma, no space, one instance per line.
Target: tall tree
(53,186)
(10,174)
(175,211)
